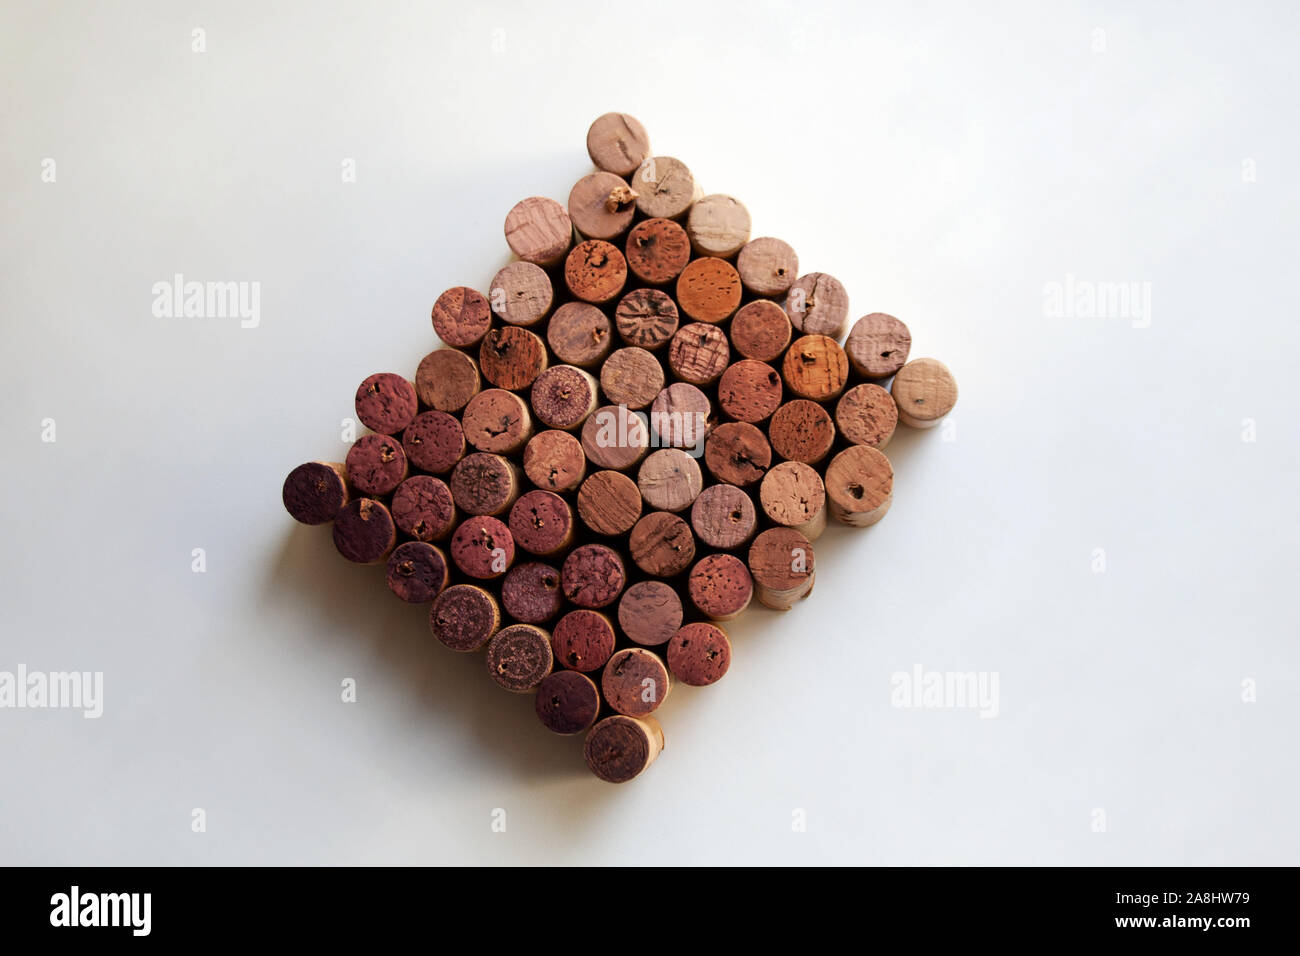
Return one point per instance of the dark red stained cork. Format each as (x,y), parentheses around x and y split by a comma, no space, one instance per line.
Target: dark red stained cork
(461,317)
(878,345)
(434,441)
(497,421)
(802,430)
(761,330)
(376,464)
(580,334)
(512,357)
(567,702)
(657,251)
(417,572)
(519,656)
(482,547)
(662,544)
(464,617)
(423,508)
(554,461)
(650,612)
(483,484)
(646,318)
(386,403)
(583,640)
(737,453)
(541,522)
(618,748)
(563,396)
(635,682)
(364,531)
(723,516)
(698,353)
(446,380)
(595,271)
(681,417)
(720,586)
(699,654)
(531,592)
(314,492)
(593,576)
(609,502)
(749,391)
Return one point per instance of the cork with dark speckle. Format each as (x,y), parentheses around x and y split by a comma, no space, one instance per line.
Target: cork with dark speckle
(315,492)
(519,657)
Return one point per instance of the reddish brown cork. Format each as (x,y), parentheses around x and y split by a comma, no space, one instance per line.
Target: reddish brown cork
(364,531)
(793,496)
(618,143)
(867,415)
(761,331)
(497,421)
(723,517)
(665,188)
(609,503)
(580,334)
(511,357)
(554,461)
(541,522)
(417,572)
(737,453)
(878,345)
(662,544)
(802,430)
(680,417)
(434,441)
(446,380)
(521,294)
(615,437)
(464,617)
(699,654)
(482,547)
(669,480)
(593,576)
(818,305)
(646,318)
(718,226)
(767,266)
(386,403)
(531,592)
(601,206)
(815,368)
(519,657)
(485,484)
(698,353)
(423,508)
(595,271)
(720,586)
(376,464)
(781,562)
(461,317)
(538,230)
(859,485)
(314,492)
(635,682)
(631,377)
(583,640)
(708,290)
(563,396)
(749,391)
(650,612)
(567,702)
(619,748)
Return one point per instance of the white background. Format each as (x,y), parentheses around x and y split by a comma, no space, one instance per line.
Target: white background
(945,161)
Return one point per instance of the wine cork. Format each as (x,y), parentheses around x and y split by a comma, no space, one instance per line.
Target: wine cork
(635,682)
(619,748)
(519,656)
(434,441)
(315,492)
(669,480)
(618,143)
(567,702)
(423,508)
(924,391)
(749,391)
(657,251)
(364,531)
(761,331)
(541,522)
(531,592)
(859,485)
(386,403)
(818,305)
(698,353)
(512,358)
(464,617)
(609,503)
(723,517)
(699,654)
(681,417)
(601,206)
(708,290)
(718,226)
(592,576)
(631,377)
(650,612)
(580,334)
(521,294)
(446,380)
(583,640)
(482,548)
(867,415)
(538,230)
(461,317)
(646,318)
(497,421)
(615,437)
(877,345)
(665,188)
(485,484)
(767,266)
(376,464)
(417,572)
(802,430)
(737,453)
(662,544)
(816,368)
(563,396)
(595,271)
(720,586)
(792,495)
(781,563)
(554,461)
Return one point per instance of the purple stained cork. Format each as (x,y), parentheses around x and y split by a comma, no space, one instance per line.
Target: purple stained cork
(422,508)
(583,640)
(618,748)
(315,492)
(650,612)
(364,531)
(464,617)
(541,522)
(635,682)
(376,464)
(699,654)
(531,592)
(434,441)
(417,572)
(567,702)
(593,576)
(563,396)
(519,656)
(386,403)
(482,547)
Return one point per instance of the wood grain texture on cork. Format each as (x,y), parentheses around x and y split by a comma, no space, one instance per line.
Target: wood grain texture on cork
(635,682)
(619,748)
(665,188)
(497,421)
(583,640)
(699,654)
(554,461)
(617,143)
(718,226)
(580,334)
(446,379)
(541,522)
(720,586)
(315,492)
(482,548)
(593,576)
(761,331)
(567,702)
(781,562)
(646,318)
(657,251)
(631,377)
(650,612)
(878,345)
(531,592)
(724,517)
(661,544)
(615,437)
(698,353)
(859,485)
(511,357)
(464,617)
(681,416)
(423,508)
(602,206)
(417,572)
(767,266)
(815,368)
(521,294)
(461,317)
(737,453)
(386,403)
(749,391)
(563,396)
(434,441)
(866,415)
(609,503)
(364,531)
(483,483)
(792,495)
(708,290)
(924,391)
(376,464)
(519,657)
(595,271)
(818,305)
(669,480)
(802,430)
(538,230)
